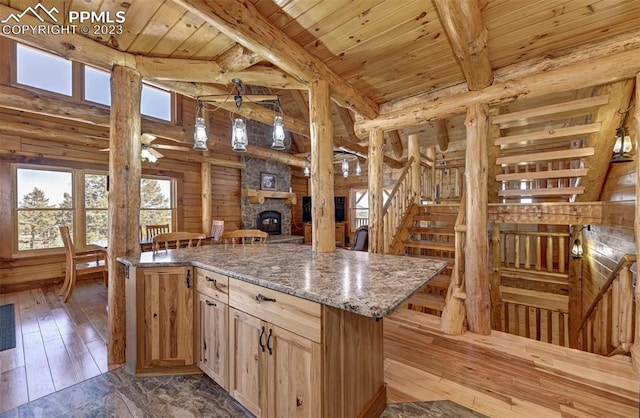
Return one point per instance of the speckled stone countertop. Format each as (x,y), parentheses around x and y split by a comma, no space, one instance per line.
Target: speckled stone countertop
(372,285)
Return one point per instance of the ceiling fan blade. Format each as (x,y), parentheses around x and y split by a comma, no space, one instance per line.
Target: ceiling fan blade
(259,97)
(147,138)
(171,147)
(104,149)
(155,153)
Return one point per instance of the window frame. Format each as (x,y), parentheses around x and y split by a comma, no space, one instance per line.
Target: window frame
(78,209)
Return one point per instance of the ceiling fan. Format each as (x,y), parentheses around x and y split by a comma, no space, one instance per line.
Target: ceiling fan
(148,151)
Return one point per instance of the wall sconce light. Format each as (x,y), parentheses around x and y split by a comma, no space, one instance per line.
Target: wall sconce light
(622,147)
(576,250)
(239,137)
(358,167)
(307,170)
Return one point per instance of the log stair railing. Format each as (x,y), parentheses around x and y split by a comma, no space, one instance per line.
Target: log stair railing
(607,327)
(442,180)
(398,205)
(531,277)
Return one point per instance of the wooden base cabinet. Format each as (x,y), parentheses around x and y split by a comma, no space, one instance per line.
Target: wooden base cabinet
(160,318)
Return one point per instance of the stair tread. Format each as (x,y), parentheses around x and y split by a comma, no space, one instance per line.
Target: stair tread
(534,275)
(534,298)
(431,230)
(441,281)
(427,300)
(430,245)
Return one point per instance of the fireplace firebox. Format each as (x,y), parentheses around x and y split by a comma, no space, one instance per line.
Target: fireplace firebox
(270,221)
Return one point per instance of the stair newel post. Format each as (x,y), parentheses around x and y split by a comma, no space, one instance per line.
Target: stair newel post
(414,151)
(635,349)
(478,301)
(625,312)
(575,297)
(496,300)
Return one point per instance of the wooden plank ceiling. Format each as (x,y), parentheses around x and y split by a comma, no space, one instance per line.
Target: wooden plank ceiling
(386,49)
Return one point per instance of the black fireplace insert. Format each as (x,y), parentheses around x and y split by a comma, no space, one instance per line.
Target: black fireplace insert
(270,221)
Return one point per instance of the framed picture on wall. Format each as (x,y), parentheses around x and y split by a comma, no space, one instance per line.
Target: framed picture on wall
(268,181)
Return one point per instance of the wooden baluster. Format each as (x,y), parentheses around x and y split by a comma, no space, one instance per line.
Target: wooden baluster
(496,299)
(538,325)
(561,254)
(549,253)
(527,252)
(516,319)
(549,327)
(615,310)
(625,332)
(527,322)
(538,253)
(561,329)
(507,321)
(516,251)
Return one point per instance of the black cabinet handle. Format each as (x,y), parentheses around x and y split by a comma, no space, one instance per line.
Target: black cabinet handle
(263,298)
(215,283)
(209,303)
(189,279)
(269,341)
(260,339)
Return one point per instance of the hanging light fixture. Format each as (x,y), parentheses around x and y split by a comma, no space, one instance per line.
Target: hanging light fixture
(200,130)
(345,168)
(622,147)
(358,167)
(307,170)
(239,137)
(576,250)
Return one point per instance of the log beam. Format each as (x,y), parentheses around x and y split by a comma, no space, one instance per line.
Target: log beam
(124,198)
(206,195)
(467,34)
(376,238)
(610,117)
(268,154)
(413,150)
(442,138)
(478,301)
(353,146)
(322,167)
(240,21)
(238,58)
(583,69)
(396,143)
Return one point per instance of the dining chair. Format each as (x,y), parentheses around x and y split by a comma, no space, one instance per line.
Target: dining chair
(173,240)
(217,229)
(153,230)
(80,263)
(245,236)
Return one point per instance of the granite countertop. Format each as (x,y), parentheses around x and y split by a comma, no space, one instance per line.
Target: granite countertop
(372,285)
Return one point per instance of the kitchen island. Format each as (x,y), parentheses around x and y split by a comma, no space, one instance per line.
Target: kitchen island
(287,332)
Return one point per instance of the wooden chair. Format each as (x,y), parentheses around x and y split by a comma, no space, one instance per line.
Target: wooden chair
(245,236)
(79,263)
(153,230)
(217,229)
(173,240)
(361,239)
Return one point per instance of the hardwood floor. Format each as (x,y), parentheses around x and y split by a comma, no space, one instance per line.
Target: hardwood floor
(500,375)
(57,344)
(503,375)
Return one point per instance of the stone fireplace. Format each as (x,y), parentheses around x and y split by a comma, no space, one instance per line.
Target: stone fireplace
(260,135)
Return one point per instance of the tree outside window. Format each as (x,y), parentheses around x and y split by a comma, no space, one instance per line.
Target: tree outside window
(96,204)
(155,202)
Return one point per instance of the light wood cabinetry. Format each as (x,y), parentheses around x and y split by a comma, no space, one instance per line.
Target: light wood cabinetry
(341,228)
(160,320)
(212,325)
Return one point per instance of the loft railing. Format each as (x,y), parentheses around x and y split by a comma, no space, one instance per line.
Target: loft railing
(607,326)
(398,203)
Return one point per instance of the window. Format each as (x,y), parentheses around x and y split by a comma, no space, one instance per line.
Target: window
(156,203)
(96,201)
(97,86)
(156,102)
(360,206)
(30,63)
(44,200)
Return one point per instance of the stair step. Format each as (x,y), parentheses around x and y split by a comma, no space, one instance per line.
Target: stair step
(534,275)
(450,261)
(441,281)
(534,298)
(427,300)
(436,217)
(432,230)
(430,245)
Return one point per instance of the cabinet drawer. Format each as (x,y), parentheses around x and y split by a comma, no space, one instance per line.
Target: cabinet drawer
(212,284)
(292,313)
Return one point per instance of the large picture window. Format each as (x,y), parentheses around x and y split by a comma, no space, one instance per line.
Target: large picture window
(45,200)
(29,64)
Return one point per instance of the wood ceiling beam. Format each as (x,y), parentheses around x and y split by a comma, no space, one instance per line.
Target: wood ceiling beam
(611,116)
(468,37)
(78,48)
(175,69)
(442,137)
(587,73)
(395,141)
(238,58)
(364,150)
(240,21)
(347,121)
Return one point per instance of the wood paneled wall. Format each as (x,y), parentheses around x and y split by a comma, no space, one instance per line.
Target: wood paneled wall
(605,245)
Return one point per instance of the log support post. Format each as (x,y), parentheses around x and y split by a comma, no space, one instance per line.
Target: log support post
(414,151)
(635,349)
(575,297)
(322,167)
(207,203)
(124,198)
(478,302)
(496,297)
(376,239)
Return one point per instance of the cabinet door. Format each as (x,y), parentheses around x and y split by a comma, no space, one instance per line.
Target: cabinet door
(247,356)
(294,381)
(212,338)
(168,317)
